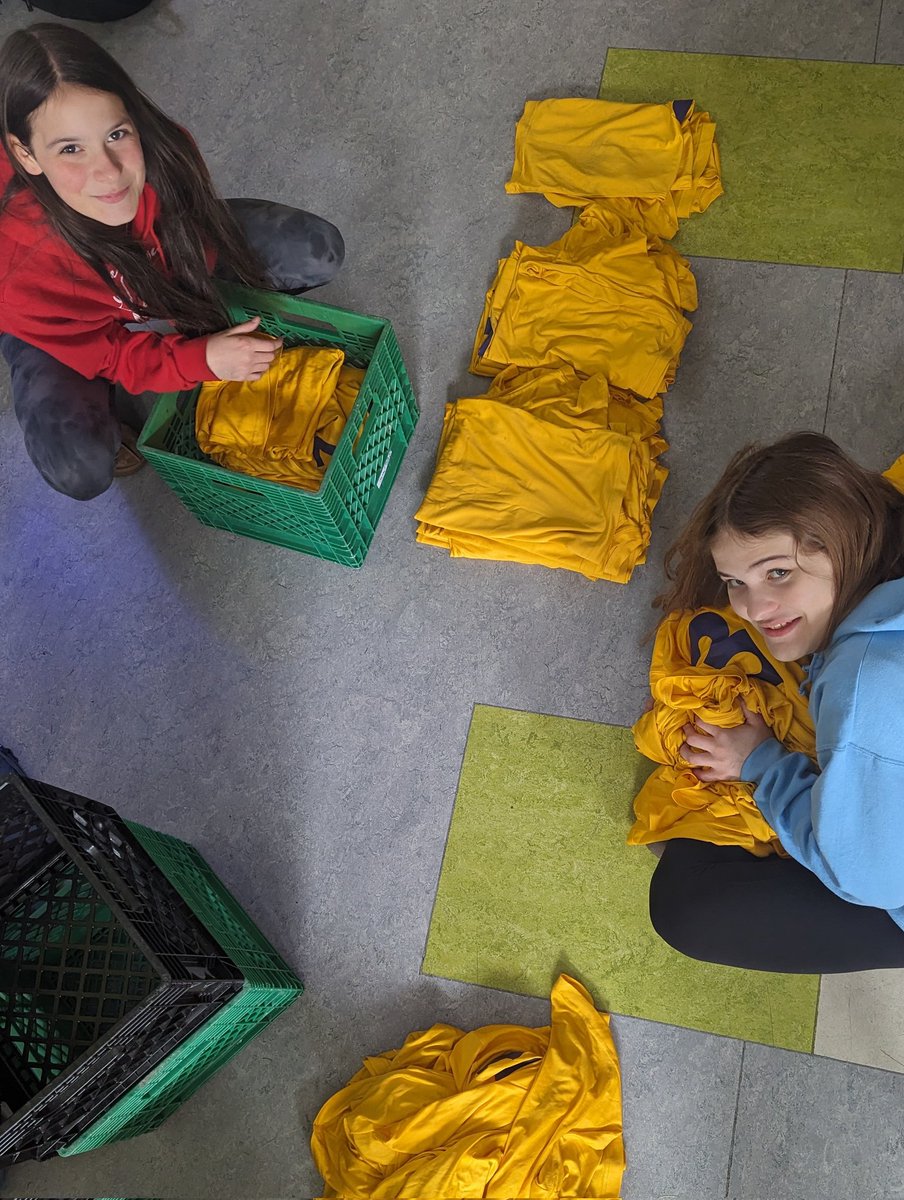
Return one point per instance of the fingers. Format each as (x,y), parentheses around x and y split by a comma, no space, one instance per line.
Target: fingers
(702,764)
(263,344)
(705,726)
(262,354)
(246,326)
(698,738)
(694,749)
(693,755)
(751,717)
(697,749)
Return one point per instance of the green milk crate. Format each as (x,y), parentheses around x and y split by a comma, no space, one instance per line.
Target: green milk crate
(270,987)
(336,522)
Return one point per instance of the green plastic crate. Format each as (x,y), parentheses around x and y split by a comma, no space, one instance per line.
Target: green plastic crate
(270,987)
(336,522)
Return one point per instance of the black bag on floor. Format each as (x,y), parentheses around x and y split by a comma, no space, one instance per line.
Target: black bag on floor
(89,10)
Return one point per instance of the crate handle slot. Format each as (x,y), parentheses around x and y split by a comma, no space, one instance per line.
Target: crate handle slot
(237,487)
(312,323)
(364,429)
(118,886)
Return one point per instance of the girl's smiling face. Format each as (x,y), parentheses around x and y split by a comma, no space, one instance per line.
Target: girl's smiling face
(783,591)
(87,147)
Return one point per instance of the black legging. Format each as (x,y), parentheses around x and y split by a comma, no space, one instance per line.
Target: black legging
(723,905)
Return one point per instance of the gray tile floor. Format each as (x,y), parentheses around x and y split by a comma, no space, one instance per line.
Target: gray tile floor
(303,724)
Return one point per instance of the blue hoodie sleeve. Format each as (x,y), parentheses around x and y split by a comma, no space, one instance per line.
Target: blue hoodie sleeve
(844,819)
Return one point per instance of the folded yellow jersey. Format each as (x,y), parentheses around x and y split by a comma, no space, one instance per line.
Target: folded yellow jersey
(590,148)
(705,663)
(606,297)
(574,151)
(284,426)
(499,1112)
(547,468)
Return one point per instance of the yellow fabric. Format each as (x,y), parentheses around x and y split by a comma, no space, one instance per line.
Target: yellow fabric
(577,150)
(606,297)
(435,1120)
(895,473)
(704,167)
(704,663)
(285,425)
(547,468)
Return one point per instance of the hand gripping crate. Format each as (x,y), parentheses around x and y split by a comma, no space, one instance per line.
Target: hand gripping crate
(336,522)
(269,988)
(104,968)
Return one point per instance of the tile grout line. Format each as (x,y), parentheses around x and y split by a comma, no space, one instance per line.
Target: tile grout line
(734,1124)
(878,30)
(825,419)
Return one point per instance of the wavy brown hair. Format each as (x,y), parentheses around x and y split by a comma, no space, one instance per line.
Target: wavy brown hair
(34,62)
(806,486)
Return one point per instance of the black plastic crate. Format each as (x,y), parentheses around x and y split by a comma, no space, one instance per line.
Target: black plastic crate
(104,968)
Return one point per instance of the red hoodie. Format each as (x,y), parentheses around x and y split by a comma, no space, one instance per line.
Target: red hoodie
(51,298)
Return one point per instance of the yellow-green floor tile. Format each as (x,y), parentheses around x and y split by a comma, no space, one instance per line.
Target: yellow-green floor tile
(812,154)
(537,879)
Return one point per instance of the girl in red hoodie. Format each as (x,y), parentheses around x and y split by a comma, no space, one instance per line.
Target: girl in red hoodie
(108,221)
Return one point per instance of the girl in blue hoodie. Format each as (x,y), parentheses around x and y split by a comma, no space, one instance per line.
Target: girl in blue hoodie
(808,548)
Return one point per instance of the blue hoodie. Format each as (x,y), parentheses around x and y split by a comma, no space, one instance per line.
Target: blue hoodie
(845,819)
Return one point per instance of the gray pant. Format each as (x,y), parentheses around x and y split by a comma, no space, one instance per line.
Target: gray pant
(71,431)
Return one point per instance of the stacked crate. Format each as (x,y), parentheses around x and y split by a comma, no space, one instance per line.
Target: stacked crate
(128,974)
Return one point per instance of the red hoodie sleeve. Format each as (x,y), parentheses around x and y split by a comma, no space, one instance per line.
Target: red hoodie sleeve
(79,331)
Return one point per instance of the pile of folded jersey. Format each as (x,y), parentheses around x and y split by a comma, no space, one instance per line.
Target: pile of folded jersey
(607,296)
(659,161)
(705,663)
(605,303)
(285,426)
(611,294)
(547,468)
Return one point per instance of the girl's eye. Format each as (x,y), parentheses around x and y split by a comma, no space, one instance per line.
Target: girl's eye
(779,573)
(733,584)
(118,134)
(70,149)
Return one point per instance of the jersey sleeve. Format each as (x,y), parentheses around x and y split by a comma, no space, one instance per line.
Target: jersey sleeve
(842,819)
(81,333)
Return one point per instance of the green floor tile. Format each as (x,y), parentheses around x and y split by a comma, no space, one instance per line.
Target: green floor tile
(812,154)
(537,879)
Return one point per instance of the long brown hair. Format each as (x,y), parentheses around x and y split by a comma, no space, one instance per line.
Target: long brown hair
(806,486)
(34,62)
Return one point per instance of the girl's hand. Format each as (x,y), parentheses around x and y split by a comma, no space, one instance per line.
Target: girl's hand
(239,353)
(716,754)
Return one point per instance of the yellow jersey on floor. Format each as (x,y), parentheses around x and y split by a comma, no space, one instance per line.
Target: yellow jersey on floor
(547,468)
(576,150)
(605,298)
(500,1112)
